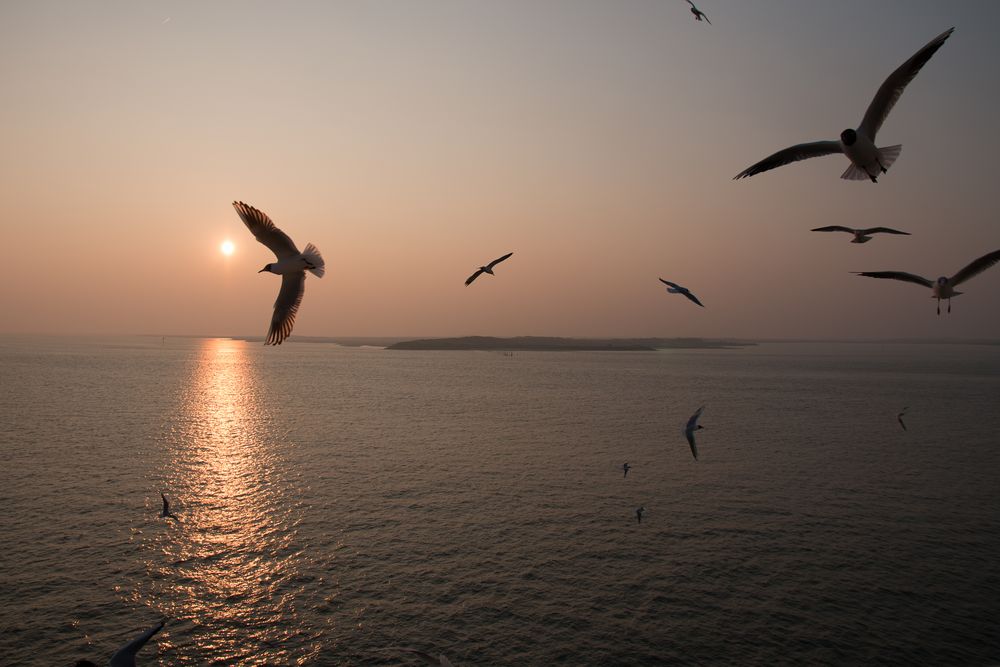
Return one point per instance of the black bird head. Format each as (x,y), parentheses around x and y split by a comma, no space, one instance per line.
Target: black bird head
(267,267)
(848,136)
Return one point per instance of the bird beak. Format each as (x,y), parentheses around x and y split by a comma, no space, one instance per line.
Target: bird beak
(262,271)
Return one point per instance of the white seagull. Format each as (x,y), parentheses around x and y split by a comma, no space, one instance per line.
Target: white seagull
(943,287)
(858,145)
(291,266)
(429,658)
(689,430)
(125,656)
(860,235)
(486,269)
(899,418)
(165,513)
(674,288)
(698,14)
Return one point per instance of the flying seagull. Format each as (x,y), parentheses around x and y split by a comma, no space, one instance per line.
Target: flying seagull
(429,658)
(698,14)
(486,269)
(291,266)
(638,514)
(858,145)
(626,467)
(674,288)
(899,418)
(125,656)
(165,513)
(860,235)
(689,430)
(943,287)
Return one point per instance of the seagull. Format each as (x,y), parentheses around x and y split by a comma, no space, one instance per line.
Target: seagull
(165,513)
(674,288)
(626,467)
(860,235)
(689,430)
(698,14)
(858,145)
(125,656)
(291,266)
(486,269)
(638,514)
(944,287)
(428,658)
(899,418)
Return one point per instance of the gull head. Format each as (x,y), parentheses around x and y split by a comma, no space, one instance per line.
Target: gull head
(942,281)
(848,137)
(267,267)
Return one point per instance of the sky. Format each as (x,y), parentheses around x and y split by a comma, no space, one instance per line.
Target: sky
(414,141)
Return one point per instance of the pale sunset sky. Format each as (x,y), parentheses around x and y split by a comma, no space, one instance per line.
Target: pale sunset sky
(413,141)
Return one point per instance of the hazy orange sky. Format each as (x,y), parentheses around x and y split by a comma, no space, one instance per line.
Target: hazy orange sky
(413,141)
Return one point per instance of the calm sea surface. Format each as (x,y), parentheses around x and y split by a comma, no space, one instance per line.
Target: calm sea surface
(334,503)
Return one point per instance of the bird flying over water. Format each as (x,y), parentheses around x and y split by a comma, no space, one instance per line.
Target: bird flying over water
(689,430)
(943,287)
(486,269)
(626,467)
(674,288)
(428,658)
(860,235)
(291,266)
(638,514)
(165,513)
(125,656)
(698,14)
(858,145)
(899,418)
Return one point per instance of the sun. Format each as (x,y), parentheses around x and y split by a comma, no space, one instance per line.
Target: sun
(227,247)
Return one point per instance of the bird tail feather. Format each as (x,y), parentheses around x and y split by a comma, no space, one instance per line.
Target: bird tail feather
(888,154)
(855,173)
(312,255)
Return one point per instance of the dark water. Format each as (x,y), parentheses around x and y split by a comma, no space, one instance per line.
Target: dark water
(335,503)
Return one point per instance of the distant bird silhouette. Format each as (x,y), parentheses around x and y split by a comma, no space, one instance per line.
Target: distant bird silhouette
(165,513)
(944,287)
(692,426)
(858,145)
(674,288)
(626,467)
(638,514)
(899,418)
(291,266)
(860,235)
(428,658)
(486,269)
(698,14)
(125,656)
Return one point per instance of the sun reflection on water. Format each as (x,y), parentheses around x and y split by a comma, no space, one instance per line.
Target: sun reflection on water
(229,567)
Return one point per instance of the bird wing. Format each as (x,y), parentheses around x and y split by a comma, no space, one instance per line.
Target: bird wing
(888,94)
(264,231)
(693,421)
(705,16)
(791,154)
(897,275)
(468,281)
(692,297)
(670,284)
(882,230)
(975,268)
(833,228)
(691,3)
(125,656)
(690,438)
(498,260)
(899,418)
(166,505)
(286,306)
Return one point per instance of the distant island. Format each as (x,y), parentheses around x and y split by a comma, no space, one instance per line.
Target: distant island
(552,344)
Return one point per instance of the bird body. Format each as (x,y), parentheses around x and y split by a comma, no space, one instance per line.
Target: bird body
(291,266)
(690,428)
(638,514)
(486,269)
(626,467)
(674,288)
(858,145)
(943,287)
(698,14)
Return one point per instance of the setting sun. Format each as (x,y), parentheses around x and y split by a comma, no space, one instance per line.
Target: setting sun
(227,247)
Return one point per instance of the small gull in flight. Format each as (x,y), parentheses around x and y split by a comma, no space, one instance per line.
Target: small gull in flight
(125,656)
(899,418)
(429,658)
(698,14)
(291,266)
(860,235)
(858,145)
(165,513)
(944,287)
(626,467)
(689,430)
(638,514)
(486,269)
(674,288)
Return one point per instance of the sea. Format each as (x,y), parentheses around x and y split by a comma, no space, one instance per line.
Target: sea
(333,505)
